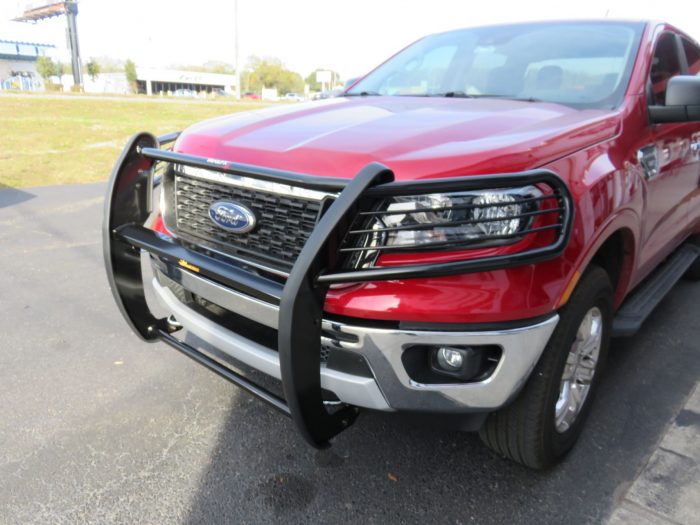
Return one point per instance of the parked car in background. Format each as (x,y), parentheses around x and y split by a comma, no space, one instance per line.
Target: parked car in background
(293,97)
(250,96)
(187,93)
(331,93)
(458,236)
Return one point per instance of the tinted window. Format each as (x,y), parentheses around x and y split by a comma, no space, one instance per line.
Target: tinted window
(665,65)
(692,54)
(582,64)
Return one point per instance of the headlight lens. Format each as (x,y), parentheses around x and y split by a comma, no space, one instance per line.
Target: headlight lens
(493,217)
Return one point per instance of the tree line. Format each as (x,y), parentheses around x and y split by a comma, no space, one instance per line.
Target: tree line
(47,68)
(258,73)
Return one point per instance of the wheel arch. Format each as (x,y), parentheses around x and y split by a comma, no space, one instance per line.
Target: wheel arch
(616,256)
(614,249)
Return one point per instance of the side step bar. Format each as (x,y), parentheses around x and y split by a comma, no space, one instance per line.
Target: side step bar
(646,298)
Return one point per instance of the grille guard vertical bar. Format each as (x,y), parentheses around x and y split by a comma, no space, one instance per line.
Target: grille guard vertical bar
(127,202)
(301,310)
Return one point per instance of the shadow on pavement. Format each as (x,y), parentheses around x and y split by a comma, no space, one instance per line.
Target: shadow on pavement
(387,471)
(10,196)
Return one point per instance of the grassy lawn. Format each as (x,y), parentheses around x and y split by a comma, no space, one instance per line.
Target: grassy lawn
(65,139)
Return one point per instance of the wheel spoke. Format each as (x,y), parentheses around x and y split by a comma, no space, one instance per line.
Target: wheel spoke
(589,347)
(585,371)
(570,366)
(576,396)
(584,331)
(579,370)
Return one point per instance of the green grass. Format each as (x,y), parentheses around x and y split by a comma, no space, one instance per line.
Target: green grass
(69,139)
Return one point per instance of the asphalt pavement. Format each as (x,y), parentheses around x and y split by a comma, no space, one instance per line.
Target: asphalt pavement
(97,426)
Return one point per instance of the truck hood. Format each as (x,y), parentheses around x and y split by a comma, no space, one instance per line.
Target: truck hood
(417,137)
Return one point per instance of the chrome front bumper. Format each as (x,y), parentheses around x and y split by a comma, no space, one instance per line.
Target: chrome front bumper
(391,388)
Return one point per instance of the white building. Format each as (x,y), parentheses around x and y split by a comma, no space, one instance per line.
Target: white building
(104,83)
(157,81)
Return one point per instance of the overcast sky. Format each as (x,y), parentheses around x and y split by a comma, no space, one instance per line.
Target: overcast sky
(351,36)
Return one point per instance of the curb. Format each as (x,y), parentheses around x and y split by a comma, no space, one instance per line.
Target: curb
(667,490)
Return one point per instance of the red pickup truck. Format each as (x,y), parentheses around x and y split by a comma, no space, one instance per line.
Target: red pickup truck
(459,235)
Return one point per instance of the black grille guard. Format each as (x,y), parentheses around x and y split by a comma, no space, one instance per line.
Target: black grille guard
(129,203)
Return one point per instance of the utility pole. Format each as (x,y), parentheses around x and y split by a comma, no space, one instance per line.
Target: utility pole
(71,14)
(238,61)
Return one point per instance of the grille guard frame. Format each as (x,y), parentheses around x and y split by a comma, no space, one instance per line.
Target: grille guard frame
(129,203)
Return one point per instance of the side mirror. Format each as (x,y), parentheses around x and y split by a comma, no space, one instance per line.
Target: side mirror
(350,82)
(682,101)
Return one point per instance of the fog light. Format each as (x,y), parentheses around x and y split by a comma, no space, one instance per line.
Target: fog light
(449,358)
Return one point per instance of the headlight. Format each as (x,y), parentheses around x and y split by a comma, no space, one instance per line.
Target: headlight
(446,219)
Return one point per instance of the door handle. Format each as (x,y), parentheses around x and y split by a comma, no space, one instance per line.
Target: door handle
(649,161)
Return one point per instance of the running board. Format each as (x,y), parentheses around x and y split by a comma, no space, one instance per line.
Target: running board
(641,302)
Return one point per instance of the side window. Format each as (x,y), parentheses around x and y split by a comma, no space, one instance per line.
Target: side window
(692,53)
(664,65)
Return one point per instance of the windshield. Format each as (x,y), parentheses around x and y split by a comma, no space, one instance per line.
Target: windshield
(581,64)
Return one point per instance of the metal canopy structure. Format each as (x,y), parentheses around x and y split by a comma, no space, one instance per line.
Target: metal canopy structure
(34,14)
(41,13)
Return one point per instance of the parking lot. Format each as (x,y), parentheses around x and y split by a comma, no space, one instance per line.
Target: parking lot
(97,426)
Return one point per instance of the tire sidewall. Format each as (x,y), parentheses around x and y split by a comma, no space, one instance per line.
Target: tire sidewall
(593,290)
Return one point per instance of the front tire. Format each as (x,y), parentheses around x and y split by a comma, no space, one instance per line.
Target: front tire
(546,419)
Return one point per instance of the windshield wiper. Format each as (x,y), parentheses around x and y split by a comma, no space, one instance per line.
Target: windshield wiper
(510,97)
(451,94)
(363,94)
(447,94)
(462,94)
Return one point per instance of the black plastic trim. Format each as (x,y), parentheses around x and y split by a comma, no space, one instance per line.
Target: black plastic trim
(475,327)
(645,298)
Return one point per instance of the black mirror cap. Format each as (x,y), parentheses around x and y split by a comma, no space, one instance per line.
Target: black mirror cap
(682,101)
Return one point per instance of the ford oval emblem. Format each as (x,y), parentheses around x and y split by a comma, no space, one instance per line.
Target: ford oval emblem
(232,216)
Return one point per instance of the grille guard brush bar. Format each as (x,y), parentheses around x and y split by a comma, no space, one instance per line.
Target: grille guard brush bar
(129,204)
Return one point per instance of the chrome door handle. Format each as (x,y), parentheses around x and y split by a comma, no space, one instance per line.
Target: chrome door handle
(649,161)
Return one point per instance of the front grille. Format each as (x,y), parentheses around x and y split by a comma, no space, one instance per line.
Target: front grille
(284,222)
